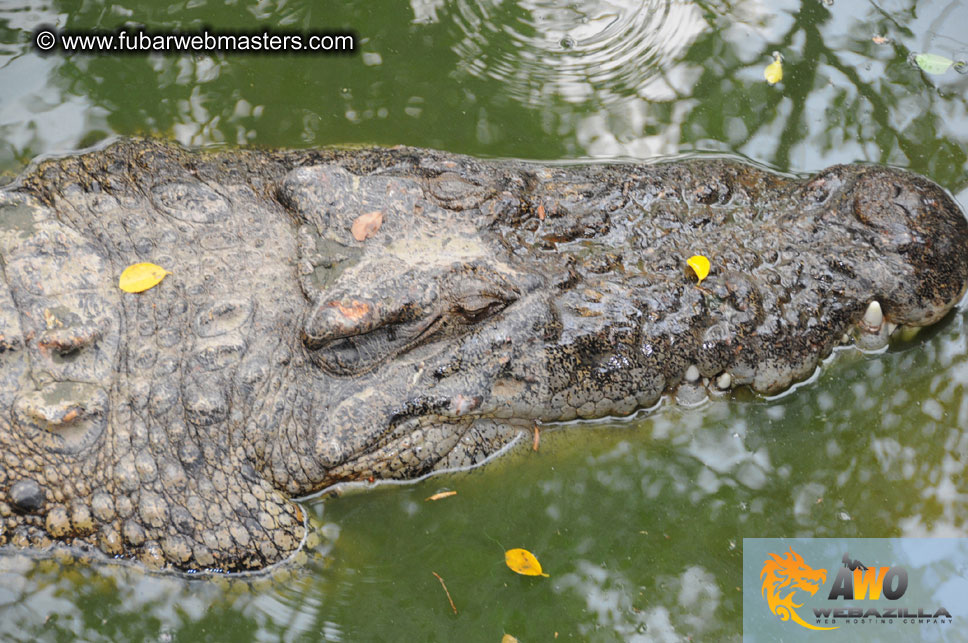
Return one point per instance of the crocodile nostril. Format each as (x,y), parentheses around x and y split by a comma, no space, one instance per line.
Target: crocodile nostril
(889,203)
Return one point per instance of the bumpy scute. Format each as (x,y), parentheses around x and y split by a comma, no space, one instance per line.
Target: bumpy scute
(289,350)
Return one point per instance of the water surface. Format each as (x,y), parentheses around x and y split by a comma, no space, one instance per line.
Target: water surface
(638,522)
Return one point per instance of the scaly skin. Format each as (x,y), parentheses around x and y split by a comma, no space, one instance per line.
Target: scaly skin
(282,355)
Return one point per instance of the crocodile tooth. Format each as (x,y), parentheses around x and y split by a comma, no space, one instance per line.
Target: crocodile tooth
(724,380)
(873,332)
(891,327)
(692,373)
(873,318)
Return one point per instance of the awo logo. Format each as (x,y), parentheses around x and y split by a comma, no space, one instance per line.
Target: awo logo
(855,581)
(783,577)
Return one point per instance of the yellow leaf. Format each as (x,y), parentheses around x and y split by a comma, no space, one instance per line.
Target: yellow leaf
(507,638)
(441,495)
(700,266)
(774,71)
(522,561)
(141,276)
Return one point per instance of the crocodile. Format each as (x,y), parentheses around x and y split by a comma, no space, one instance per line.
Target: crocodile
(334,315)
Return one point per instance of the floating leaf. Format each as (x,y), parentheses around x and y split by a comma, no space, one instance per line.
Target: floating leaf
(366,225)
(933,63)
(141,276)
(774,71)
(523,562)
(880,40)
(441,495)
(700,266)
(507,638)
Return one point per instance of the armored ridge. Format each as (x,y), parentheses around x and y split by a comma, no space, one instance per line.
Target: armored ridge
(345,314)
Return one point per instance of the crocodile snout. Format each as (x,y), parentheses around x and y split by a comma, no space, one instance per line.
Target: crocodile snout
(914,225)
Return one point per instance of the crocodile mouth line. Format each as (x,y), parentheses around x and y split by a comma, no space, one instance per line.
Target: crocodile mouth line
(394,439)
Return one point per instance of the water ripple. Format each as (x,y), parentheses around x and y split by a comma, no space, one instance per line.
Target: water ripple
(575,50)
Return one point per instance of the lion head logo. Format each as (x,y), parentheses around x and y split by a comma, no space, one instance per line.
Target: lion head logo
(789,572)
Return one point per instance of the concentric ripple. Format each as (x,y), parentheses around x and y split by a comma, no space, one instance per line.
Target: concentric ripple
(575,50)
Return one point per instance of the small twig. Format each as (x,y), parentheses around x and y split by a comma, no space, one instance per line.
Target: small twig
(444,585)
(537,438)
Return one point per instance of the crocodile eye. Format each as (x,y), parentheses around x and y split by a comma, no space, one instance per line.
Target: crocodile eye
(478,307)
(350,337)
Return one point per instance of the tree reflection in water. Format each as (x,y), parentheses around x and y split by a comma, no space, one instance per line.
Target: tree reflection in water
(640,527)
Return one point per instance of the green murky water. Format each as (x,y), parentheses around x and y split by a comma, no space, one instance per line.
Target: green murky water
(639,523)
